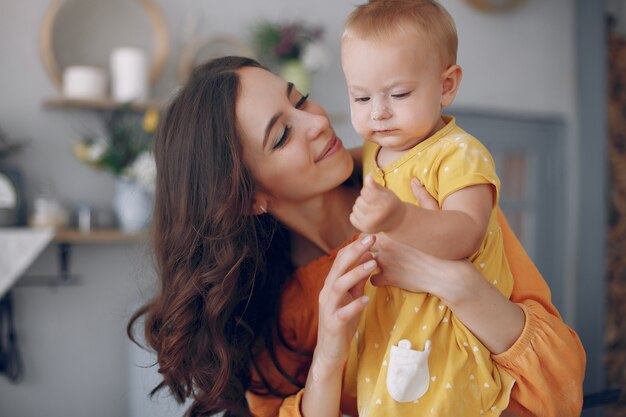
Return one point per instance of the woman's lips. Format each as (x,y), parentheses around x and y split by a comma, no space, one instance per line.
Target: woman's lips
(332,146)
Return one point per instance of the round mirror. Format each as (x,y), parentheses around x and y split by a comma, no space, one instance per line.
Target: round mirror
(84,32)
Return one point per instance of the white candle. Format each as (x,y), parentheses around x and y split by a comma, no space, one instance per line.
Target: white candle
(84,82)
(129,74)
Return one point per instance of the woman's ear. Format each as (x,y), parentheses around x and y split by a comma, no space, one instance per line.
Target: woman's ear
(450,81)
(259,205)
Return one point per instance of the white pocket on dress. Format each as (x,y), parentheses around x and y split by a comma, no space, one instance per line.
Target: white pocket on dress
(408,376)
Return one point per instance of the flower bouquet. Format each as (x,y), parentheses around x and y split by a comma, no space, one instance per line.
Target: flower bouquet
(124,149)
(294,49)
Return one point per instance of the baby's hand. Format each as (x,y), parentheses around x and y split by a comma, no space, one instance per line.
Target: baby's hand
(377,209)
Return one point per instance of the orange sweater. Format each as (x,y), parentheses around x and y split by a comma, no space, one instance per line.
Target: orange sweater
(547,361)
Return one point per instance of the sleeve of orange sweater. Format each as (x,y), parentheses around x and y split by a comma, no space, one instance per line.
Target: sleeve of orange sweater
(547,361)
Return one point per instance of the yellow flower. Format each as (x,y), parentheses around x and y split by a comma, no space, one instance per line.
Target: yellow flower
(81,151)
(150,120)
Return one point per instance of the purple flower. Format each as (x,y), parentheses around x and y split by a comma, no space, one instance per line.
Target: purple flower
(286,41)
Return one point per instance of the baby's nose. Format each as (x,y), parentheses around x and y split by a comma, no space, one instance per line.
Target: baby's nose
(380,110)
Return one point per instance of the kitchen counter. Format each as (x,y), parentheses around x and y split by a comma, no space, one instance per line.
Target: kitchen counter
(19,247)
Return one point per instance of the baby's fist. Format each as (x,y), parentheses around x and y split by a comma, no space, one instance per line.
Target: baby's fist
(376,209)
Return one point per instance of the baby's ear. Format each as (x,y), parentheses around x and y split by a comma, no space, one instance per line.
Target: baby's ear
(450,81)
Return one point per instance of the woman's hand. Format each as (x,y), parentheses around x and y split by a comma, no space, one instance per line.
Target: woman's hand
(341,301)
(408,268)
(422,197)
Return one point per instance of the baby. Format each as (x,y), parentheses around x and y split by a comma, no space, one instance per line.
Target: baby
(412,356)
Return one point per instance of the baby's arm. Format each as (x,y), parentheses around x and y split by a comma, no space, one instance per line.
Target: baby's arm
(452,233)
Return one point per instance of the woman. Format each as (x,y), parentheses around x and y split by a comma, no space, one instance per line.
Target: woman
(251,210)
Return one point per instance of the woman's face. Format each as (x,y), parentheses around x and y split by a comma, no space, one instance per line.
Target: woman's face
(288,142)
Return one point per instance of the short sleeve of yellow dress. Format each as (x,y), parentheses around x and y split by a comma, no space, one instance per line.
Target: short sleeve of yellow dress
(411,355)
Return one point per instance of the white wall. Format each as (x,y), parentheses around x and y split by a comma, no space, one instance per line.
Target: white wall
(72,339)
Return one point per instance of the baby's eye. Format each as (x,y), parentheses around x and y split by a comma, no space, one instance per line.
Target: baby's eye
(401,95)
(361,99)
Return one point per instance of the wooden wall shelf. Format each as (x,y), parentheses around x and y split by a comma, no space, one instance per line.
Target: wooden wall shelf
(103,104)
(98,236)
(66,238)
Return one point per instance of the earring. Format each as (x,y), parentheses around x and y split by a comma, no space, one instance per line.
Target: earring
(263,209)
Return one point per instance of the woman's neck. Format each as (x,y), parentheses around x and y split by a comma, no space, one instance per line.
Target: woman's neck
(320,224)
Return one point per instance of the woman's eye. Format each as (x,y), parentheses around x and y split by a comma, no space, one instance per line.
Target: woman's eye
(283,138)
(302,100)
(401,95)
(361,99)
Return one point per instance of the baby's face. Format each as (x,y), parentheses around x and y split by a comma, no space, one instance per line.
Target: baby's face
(395,89)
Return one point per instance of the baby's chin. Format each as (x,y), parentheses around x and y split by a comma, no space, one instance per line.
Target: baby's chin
(393,142)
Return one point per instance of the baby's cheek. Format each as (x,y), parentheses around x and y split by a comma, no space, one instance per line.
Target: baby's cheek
(359,121)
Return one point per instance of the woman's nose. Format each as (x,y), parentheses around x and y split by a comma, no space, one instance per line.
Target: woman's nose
(316,125)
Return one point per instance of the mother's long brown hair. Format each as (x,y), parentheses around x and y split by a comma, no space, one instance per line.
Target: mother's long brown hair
(217,296)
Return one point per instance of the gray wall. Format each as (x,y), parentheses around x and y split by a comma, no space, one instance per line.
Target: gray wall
(72,338)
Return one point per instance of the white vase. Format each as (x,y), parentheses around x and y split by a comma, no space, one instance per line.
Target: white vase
(132,205)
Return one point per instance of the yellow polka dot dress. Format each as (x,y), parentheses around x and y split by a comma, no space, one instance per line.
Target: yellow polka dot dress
(411,356)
